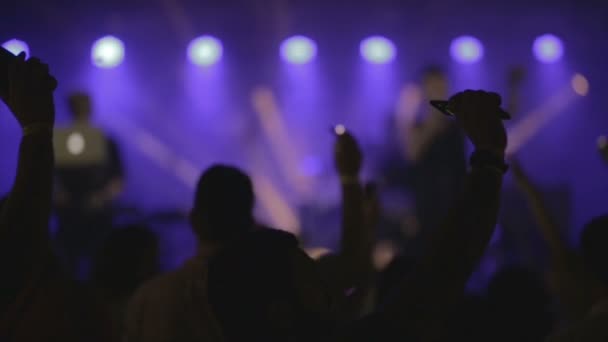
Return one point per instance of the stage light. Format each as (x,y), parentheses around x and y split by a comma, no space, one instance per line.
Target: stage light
(108,52)
(378,50)
(16,46)
(298,50)
(466,50)
(580,85)
(548,48)
(205,51)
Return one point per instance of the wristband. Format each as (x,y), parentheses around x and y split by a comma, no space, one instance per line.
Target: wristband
(36,128)
(481,158)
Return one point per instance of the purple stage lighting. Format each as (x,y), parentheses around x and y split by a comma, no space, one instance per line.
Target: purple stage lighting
(107,52)
(298,50)
(378,50)
(16,46)
(466,50)
(205,51)
(548,48)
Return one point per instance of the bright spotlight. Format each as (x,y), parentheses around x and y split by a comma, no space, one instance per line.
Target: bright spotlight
(378,50)
(580,85)
(16,46)
(298,50)
(548,48)
(205,51)
(107,52)
(466,50)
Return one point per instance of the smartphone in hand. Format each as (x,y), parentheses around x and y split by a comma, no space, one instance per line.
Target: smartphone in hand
(442,106)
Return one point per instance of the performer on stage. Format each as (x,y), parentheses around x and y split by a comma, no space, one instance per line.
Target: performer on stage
(89,176)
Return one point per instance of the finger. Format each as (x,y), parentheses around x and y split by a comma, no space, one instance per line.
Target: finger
(455,102)
(16,82)
(38,65)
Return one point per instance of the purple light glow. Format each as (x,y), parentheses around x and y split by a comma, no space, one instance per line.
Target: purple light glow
(548,48)
(298,50)
(107,52)
(205,51)
(16,46)
(466,50)
(378,50)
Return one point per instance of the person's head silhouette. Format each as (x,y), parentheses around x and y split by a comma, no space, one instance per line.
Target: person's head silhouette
(594,247)
(223,205)
(79,104)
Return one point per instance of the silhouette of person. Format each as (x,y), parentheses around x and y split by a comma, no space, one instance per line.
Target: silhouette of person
(173,306)
(85,190)
(37,301)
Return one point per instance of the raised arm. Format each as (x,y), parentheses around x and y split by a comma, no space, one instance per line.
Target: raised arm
(25,216)
(572,284)
(548,227)
(357,236)
(427,295)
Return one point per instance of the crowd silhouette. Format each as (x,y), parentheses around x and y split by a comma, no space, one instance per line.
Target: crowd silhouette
(250,282)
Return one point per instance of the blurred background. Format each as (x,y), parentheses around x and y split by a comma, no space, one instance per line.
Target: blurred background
(183,84)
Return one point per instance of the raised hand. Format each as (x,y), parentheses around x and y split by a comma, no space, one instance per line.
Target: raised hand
(347,156)
(30,96)
(476,112)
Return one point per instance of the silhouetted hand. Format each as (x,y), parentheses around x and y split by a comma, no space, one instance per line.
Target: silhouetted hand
(347,155)
(30,96)
(476,112)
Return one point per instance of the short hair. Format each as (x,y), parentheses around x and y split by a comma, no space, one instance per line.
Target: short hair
(594,247)
(223,204)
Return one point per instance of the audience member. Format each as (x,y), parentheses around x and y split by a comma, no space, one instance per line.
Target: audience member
(173,306)
(37,301)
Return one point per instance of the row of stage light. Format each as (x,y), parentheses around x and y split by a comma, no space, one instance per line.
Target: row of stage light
(205,51)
